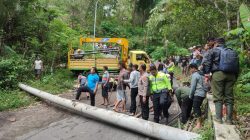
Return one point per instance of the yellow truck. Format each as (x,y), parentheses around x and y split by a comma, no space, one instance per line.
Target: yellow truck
(104,54)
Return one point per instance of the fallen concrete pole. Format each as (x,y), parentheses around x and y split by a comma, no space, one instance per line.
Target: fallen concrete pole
(141,126)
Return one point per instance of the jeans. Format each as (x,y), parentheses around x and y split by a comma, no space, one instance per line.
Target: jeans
(197,102)
(86,89)
(134,92)
(161,103)
(144,107)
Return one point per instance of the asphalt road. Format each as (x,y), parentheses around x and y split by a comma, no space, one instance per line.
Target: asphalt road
(46,122)
(80,128)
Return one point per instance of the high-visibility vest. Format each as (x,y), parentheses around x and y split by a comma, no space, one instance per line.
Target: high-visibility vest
(171,69)
(159,82)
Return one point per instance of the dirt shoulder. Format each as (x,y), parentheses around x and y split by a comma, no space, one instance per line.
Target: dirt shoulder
(21,121)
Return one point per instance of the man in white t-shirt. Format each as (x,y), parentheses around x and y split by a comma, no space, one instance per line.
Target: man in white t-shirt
(38,66)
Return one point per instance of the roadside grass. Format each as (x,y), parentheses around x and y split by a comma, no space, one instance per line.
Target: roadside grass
(207,131)
(56,83)
(242,103)
(14,99)
(59,82)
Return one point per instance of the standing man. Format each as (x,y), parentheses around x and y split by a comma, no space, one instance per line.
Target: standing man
(160,88)
(121,88)
(105,85)
(92,86)
(184,63)
(133,80)
(38,66)
(223,63)
(170,68)
(143,91)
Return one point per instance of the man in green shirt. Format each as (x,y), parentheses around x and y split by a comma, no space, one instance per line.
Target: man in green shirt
(182,94)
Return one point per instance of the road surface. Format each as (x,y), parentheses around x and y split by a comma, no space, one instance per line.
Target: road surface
(44,121)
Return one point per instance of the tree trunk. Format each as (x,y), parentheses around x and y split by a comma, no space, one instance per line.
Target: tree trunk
(133,13)
(26,48)
(228,17)
(238,16)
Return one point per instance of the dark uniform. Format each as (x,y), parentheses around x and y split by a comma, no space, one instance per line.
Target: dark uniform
(222,83)
(159,89)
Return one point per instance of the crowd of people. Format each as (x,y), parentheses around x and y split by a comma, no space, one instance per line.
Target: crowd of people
(214,66)
(108,49)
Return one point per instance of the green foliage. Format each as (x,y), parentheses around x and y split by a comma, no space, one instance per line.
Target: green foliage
(245,16)
(14,99)
(242,91)
(57,83)
(12,71)
(61,81)
(158,53)
(185,22)
(207,132)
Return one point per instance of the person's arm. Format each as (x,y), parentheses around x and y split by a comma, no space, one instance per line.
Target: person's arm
(207,62)
(167,82)
(79,79)
(193,87)
(170,65)
(96,85)
(178,95)
(131,78)
(107,80)
(150,86)
(145,86)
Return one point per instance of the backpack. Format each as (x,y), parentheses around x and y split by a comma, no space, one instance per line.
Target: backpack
(229,60)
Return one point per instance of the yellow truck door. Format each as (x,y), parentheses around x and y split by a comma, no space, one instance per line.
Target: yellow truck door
(139,57)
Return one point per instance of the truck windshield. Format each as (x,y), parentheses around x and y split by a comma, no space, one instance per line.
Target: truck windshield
(142,57)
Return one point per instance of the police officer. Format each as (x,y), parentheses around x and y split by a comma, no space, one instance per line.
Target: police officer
(160,88)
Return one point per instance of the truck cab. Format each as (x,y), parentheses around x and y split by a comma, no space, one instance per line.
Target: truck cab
(139,57)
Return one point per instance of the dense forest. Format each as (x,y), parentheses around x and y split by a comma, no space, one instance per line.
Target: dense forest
(160,27)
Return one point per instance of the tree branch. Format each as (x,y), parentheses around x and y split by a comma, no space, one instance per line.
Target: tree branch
(217,7)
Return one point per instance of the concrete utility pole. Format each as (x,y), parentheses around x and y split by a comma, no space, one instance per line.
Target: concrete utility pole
(141,126)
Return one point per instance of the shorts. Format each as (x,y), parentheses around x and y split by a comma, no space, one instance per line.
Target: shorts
(105,91)
(38,71)
(120,95)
